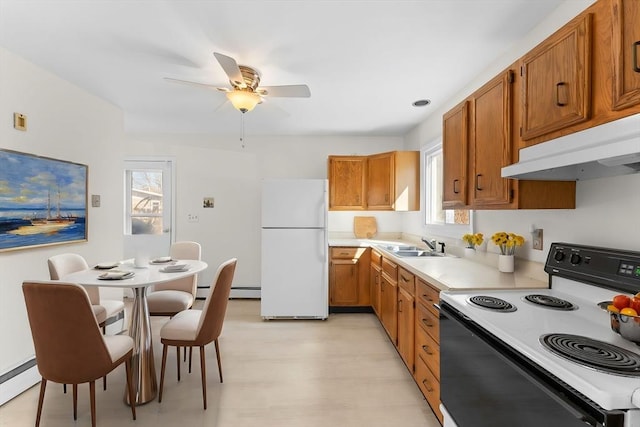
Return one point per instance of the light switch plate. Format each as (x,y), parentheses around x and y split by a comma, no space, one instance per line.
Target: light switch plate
(95,200)
(537,239)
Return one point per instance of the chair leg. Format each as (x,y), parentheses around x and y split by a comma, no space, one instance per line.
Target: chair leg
(203,374)
(178,360)
(132,398)
(218,357)
(185,355)
(190,357)
(64,388)
(104,382)
(43,386)
(164,364)
(92,398)
(75,401)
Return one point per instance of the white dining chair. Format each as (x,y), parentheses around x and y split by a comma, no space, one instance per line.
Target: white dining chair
(170,298)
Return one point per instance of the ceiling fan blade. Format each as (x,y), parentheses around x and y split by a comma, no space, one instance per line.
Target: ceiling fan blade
(230,67)
(287,91)
(187,82)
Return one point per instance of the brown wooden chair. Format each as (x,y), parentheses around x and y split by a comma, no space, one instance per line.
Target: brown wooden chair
(69,346)
(191,328)
(170,298)
(63,264)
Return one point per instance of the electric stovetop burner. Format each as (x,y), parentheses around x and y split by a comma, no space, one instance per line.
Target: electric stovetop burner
(594,354)
(548,301)
(492,303)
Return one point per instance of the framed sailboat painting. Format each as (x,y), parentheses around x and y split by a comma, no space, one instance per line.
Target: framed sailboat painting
(43,201)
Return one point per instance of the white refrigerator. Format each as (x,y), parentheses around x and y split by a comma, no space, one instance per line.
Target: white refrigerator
(294,277)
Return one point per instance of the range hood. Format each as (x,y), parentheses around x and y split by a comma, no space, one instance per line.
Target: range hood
(606,150)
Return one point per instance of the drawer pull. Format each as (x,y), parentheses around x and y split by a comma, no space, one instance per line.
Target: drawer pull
(427,386)
(427,323)
(425,296)
(426,350)
(636,67)
(558,102)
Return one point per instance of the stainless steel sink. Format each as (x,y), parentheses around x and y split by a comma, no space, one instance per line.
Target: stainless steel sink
(406,251)
(416,253)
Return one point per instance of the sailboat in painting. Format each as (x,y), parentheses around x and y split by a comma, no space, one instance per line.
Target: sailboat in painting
(58,220)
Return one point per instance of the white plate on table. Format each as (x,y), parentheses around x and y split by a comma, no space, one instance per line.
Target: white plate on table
(161,260)
(116,275)
(106,265)
(175,268)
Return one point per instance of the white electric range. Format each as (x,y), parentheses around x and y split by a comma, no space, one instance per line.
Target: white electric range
(545,356)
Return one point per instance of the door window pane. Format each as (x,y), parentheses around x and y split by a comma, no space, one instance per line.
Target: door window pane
(146,202)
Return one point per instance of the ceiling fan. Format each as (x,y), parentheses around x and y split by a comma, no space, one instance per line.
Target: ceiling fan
(245,92)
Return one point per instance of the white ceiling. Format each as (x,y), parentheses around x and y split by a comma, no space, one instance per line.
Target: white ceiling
(365,62)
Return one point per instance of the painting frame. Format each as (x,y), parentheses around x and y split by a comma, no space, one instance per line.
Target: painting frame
(43,201)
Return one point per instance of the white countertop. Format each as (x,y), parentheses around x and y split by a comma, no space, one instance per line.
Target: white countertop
(451,272)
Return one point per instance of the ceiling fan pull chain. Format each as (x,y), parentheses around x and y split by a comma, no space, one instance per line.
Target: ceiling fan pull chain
(242,129)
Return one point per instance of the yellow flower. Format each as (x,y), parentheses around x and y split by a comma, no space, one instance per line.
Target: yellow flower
(507,242)
(473,240)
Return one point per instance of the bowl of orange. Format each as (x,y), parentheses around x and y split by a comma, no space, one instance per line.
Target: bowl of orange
(624,313)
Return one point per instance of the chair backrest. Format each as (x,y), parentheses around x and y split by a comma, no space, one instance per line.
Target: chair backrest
(68,342)
(215,306)
(63,264)
(183,250)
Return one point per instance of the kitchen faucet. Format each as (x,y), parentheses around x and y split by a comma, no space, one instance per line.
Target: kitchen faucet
(430,243)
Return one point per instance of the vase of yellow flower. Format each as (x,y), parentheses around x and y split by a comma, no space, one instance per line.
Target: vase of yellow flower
(507,242)
(471,241)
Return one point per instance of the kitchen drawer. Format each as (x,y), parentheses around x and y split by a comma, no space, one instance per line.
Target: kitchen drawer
(427,295)
(429,386)
(406,280)
(428,321)
(376,258)
(428,350)
(346,253)
(390,268)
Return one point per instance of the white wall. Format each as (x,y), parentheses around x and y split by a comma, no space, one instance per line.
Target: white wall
(605,208)
(222,169)
(65,123)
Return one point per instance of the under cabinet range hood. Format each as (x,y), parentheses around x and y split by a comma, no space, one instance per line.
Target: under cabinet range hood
(606,150)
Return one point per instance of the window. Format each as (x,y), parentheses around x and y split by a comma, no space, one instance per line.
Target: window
(445,222)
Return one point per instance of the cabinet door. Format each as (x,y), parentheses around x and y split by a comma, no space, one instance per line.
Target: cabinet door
(454,154)
(375,288)
(406,327)
(388,303)
(343,288)
(490,142)
(626,53)
(556,89)
(347,182)
(380,181)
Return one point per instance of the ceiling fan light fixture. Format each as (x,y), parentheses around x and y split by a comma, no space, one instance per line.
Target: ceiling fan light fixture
(243,100)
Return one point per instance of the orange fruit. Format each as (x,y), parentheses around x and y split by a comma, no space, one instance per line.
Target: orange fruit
(613,308)
(628,311)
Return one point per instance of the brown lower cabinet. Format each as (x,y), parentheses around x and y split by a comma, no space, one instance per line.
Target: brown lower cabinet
(411,320)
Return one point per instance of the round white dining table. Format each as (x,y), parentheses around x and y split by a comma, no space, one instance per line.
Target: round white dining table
(143,366)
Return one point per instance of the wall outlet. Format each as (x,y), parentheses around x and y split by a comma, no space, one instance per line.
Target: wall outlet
(537,239)
(193,218)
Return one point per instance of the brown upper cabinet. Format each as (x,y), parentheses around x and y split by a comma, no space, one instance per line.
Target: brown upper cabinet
(393,180)
(454,153)
(347,182)
(490,142)
(478,142)
(556,83)
(385,181)
(626,53)
(610,74)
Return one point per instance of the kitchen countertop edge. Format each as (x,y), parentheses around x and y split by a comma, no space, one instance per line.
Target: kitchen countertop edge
(449,273)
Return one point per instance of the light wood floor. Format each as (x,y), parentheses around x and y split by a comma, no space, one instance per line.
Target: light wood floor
(340,372)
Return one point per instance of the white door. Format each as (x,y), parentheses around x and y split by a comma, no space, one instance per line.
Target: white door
(148,208)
